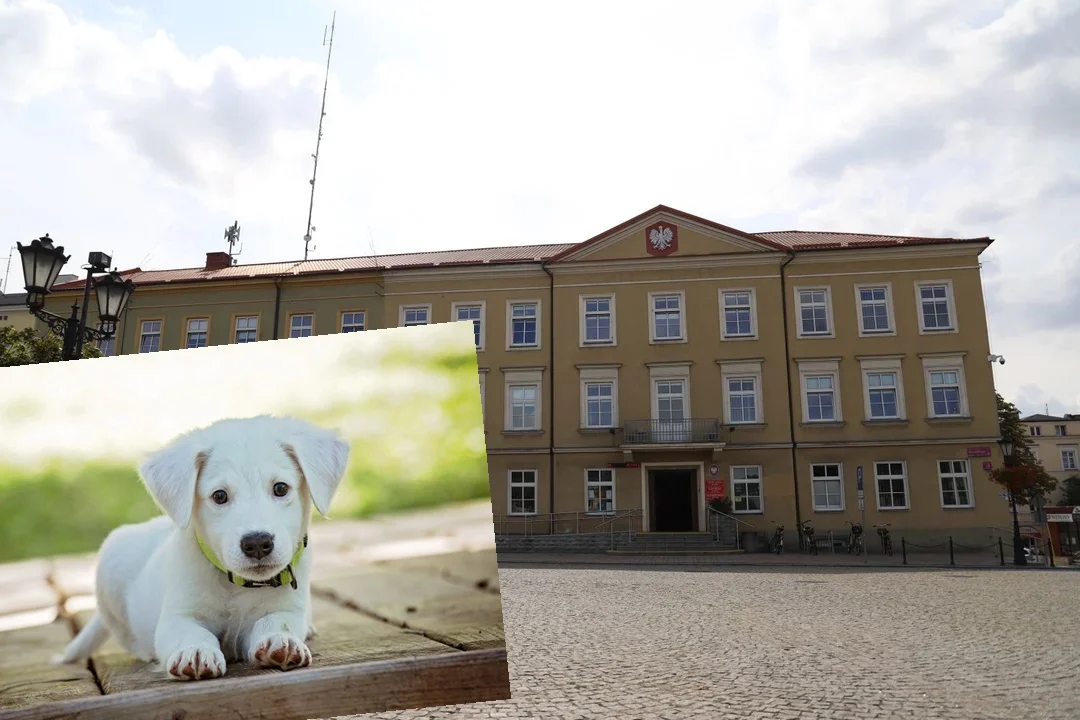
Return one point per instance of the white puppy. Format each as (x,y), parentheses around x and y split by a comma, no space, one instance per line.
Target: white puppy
(227,573)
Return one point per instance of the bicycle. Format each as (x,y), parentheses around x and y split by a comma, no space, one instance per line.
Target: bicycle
(855,539)
(776,545)
(808,535)
(886,540)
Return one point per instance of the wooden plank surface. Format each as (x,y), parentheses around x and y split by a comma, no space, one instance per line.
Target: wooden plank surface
(345,636)
(25,587)
(479,569)
(440,679)
(451,612)
(27,676)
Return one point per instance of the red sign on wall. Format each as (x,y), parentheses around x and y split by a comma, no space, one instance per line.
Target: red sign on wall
(661,239)
(714,489)
(978,452)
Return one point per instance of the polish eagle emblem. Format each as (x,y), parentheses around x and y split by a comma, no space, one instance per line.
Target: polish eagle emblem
(661,237)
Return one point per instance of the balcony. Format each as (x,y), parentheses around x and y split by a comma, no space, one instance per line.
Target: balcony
(666,434)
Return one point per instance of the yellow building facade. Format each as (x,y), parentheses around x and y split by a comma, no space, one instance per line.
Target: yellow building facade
(668,361)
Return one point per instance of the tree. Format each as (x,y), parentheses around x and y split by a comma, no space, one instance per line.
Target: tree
(1023,476)
(1072,490)
(27,347)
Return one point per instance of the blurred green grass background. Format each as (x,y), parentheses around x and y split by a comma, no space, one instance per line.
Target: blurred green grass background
(428,450)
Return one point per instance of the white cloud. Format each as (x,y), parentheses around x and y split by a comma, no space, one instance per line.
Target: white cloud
(483,123)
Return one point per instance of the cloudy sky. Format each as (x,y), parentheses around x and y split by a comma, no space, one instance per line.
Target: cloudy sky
(146,129)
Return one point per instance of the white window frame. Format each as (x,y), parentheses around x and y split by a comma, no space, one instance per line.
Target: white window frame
(829,320)
(1035,430)
(600,483)
(362,324)
(237,329)
(950,304)
(588,375)
(813,498)
(752,292)
(483,394)
(510,324)
(945,363)
(515,377)
(482,304)
(967,479)
(667,372)
(107,346)
(683,337)
(817,368)
(143,334)
(879,366)
(1061,430)
(510,485)
(760,484)
(188,332)
(582,303)
(1071,450)
(740,370)
(293,316)
(890,314)
(402,309)
(903,477)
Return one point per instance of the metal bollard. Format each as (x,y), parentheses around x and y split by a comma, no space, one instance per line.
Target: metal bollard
(1001,551)
(903,549)
(952,559)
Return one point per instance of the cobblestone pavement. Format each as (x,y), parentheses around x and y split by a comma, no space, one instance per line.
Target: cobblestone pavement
(786,643)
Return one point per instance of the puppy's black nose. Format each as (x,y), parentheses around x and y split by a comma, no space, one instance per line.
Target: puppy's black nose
(257,545)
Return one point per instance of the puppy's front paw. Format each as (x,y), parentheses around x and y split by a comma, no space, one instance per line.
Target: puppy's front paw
(281,651)
(198,663)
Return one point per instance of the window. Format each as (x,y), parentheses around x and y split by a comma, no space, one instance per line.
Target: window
(955,484)
(599,492)
(815,312)
(522,496)
(247,329)
(666,321)
(475,312)
(891,485)
(1059,430)
(670,400)
(412,315)
(522,399)
(737,314)
(598,320)
(883,386)
(197,332)
(936,311)
(599,396)
(746,488)
(1036,430)
(352,322)
(523,319)
(875,309)
(742,399)
(150,336)
(1068,459)
(301,325)
(828,487)
(107,346)
(945,393)
(820,385)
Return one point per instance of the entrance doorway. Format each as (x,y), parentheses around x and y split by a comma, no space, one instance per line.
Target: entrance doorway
(673,500)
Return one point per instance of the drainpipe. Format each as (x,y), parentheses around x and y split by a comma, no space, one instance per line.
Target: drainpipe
(551,394)
(277,305)
(790,398)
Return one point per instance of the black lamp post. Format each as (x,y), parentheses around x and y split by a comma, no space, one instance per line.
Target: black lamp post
(1019,558)
(42,262)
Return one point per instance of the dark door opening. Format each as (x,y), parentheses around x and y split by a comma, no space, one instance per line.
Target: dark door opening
(673,495)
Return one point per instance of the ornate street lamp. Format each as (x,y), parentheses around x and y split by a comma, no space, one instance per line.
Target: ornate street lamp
(42,262)
(1019,558)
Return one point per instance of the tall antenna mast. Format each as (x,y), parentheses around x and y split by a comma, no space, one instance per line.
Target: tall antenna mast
(3,288)
(329,44)
(232,236)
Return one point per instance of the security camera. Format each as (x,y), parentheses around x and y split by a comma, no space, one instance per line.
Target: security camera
(999,358)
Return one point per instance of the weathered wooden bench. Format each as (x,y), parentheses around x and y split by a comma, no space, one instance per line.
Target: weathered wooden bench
(393,634)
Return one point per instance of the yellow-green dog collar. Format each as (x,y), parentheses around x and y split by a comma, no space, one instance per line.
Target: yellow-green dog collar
(284,577)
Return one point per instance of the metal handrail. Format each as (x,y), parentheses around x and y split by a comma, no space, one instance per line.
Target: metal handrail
(667,432)
(630,513)
(716,535)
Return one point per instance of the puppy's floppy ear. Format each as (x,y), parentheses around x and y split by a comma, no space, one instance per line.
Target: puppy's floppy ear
(171,475)
(320,457)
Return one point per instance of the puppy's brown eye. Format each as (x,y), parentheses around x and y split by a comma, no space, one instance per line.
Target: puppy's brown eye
(220,497)
(281,489)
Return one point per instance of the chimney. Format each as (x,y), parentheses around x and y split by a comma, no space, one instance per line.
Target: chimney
(218,261)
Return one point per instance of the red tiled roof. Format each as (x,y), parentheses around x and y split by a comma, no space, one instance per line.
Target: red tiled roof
(789,240)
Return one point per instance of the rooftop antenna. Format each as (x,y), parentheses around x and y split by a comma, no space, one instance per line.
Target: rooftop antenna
(328,42)
(232,236)
(3,288)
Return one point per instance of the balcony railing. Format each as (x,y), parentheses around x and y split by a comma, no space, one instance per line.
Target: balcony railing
(688,431)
